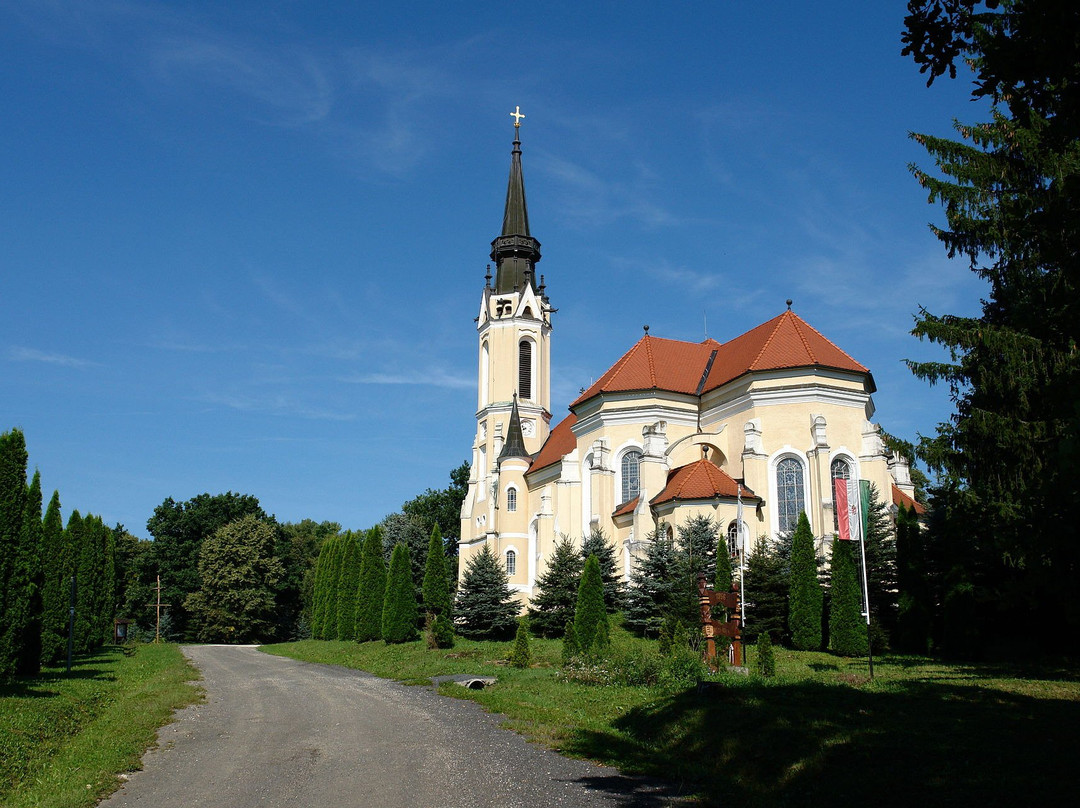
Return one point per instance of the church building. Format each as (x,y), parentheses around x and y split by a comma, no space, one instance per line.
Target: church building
(671,430)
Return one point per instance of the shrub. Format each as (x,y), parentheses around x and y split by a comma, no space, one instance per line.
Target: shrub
(765,660)
(519,654)
(570,646)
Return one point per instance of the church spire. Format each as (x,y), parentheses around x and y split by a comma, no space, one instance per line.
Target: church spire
(515,251)
(515,440)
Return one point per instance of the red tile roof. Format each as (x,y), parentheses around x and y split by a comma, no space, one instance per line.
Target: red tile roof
(700,480)
(561,441)
(900,498)
(786,341)
(626,507)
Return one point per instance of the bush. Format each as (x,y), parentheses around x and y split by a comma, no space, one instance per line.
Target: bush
(570,645)
(519,653)
(438,631)
(764,659)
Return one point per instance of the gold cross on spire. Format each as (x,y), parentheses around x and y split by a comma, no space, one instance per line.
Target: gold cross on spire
(517,115)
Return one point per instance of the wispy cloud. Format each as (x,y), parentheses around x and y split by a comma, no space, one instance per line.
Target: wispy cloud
(21,354)
(429,378)
(590,200)
(274,405)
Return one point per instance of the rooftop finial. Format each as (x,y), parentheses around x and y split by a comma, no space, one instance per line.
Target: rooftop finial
(789,304)
(517,115)
(646,330)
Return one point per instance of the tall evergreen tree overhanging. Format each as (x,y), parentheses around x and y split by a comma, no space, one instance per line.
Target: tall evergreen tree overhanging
(372,588)
(597,544)
(805,598)
(1010,187)
(485,606)
(400,612)
(556,591)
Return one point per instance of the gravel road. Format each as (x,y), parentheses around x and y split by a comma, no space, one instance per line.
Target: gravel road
(276,732)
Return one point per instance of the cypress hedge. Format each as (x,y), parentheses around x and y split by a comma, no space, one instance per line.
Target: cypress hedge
(371,590)
(847,626)
(590,610)
(805,597)
(400,613)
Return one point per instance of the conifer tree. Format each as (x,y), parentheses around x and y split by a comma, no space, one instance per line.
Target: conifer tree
(556,591)
(85,541)
(914,607)
(486,607)
(804,596)
(14,574)
(880,552)
(436,587)
(765,663)
(348,585)
(105,597)
(29,663)
(695,552)
(318,592)
(651,596)
(722,578)
(332,590)
(847,627)
(55,592)
(589,611)
(400,612)
(371,590)
(570,645)
(766,582)
(597,544)
(519,654)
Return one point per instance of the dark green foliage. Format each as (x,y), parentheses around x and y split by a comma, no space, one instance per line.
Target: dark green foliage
(297,547)
(348,585)
(400,528)
(590,610)
(880,572)
(440,631)
(55,590)
(29,661)
(765,659)
(804,593)
(318,591)
(14,572)
(331,592)
(556,591)
(766,582)
(436,585)
(914,605)
(601,641)
(1010,188)
(598,544)
(722,577)
(400,612)
(486,607)
(847,626)
(441,508)
(651,594)
(570,645)
(179,529)
(371,590)
(84,540)
(695,552)
(519,654)
(239,572)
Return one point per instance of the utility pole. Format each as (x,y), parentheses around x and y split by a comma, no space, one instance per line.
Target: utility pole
(158,606)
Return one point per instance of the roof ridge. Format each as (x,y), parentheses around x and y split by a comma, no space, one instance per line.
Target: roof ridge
(649,355)
(766,343)
(802,337)
(833,344)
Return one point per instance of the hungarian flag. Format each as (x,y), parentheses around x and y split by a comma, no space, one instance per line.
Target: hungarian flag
(847,511)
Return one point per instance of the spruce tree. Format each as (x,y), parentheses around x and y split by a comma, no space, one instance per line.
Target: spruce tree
(880,571)
(55,591)
(589,611)
(766,585)
(348,585)
(847,626)
(695,552)
(436,587)
(651,596)
(556,591)
(371,590)
(400,612)
(598,544)
(486,607)
(914,606)
(14,574)
(805,595)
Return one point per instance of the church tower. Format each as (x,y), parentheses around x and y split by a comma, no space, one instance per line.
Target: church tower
(513,382)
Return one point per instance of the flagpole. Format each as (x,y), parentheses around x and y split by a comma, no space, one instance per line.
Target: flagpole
(863,530)
(742,556)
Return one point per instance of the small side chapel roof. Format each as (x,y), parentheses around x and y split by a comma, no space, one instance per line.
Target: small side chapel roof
(900,498)
(693,368)
(561,441)
(700,480)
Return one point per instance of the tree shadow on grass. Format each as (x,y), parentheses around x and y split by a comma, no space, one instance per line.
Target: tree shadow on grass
(83,667)
(801,744)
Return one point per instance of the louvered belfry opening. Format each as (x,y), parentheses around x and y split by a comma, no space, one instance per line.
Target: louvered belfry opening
(525,369)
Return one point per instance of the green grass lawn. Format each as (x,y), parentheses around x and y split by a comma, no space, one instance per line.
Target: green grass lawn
(64,738)
(922,733)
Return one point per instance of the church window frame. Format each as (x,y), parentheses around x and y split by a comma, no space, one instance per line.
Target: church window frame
(851,475)
(732,536)
(526,369)
(510,559)
(789,485)
(629,466)
(511,498)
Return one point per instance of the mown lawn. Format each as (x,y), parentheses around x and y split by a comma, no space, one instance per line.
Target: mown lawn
(921,733)
(64,738)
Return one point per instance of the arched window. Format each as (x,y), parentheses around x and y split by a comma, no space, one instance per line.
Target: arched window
(790,496)
(631,475)
(511,562)
(525,369)
(511,499)
(840,470)
(733,539)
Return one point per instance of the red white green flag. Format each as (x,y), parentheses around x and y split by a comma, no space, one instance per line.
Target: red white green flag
(847,510)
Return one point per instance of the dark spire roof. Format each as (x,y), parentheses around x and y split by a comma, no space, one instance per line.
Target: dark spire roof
(515,251)
(515,440)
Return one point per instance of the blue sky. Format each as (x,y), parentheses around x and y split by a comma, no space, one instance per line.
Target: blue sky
(242,244)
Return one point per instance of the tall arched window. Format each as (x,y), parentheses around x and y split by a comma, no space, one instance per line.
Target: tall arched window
(525,369)
(631,475)
(511,499)
(840,470)
(511,562)
(790,497)
(733,539)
